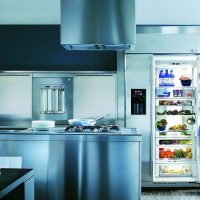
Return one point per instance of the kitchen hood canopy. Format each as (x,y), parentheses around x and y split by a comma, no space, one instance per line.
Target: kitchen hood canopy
(98,24)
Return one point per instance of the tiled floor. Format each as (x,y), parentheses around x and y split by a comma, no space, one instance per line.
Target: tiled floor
(181,194)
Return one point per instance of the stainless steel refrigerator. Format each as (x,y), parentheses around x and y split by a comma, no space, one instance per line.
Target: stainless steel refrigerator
(170,157)
(162,48)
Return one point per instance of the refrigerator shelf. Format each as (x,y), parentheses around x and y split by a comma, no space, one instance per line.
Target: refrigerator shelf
(187,174)
(175,98)
(176,88)
(162,66)
(174,141)
(175,115)
(171,102)
(174,106)
(174,161)
(175,131)
(176,137)
(174,146)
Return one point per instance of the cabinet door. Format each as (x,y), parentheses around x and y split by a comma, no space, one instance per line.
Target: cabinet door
(95,96)
(16,100)
(171,12)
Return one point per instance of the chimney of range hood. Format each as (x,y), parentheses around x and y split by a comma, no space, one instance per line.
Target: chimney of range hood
(98,24)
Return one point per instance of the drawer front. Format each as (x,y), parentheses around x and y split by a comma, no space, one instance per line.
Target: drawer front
(179,171)
(182,153)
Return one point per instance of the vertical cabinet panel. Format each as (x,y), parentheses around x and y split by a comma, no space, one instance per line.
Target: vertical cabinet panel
(171,12)
(16,100)
(95,96)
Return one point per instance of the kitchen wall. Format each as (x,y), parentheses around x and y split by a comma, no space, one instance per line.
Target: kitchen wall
(173,12)
(37,47)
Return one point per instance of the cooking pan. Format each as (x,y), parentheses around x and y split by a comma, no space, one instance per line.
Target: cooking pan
(84,122)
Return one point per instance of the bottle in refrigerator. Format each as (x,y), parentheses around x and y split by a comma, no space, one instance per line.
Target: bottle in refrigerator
(166,78)
(161,78)
(171,78)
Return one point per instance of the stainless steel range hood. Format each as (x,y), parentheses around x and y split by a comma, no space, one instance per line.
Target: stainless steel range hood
(98,24)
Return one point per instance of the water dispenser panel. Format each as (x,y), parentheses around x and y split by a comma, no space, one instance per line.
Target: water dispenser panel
(52,98)
(138,101)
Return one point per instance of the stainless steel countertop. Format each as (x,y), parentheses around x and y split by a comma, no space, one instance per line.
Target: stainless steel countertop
(59,134)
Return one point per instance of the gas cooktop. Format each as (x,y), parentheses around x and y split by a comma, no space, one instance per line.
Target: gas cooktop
(93,129)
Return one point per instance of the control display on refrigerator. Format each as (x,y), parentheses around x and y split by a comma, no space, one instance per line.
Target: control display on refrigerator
(138,101)
(174,118)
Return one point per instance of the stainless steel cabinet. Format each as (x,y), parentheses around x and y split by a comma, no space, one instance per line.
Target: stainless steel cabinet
(95,96)
(16,100)
(168,12)
(79,167)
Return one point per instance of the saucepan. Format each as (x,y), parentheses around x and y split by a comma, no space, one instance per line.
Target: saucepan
(84,122)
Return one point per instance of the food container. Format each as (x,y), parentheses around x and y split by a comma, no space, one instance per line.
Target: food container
(162,92)
(177,93)
(186,82)
(188,93)
(161,128)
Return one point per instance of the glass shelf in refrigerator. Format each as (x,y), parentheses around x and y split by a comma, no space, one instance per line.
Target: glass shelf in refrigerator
(175,141)
(172,134)
(170,66)
(173,102)
(174,116)
(174,87)
(174,111)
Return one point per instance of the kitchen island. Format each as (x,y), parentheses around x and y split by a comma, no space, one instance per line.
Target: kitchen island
(79,166)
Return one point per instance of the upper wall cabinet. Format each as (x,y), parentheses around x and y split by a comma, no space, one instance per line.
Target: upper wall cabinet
(29,12)
(157,12)
(168,12)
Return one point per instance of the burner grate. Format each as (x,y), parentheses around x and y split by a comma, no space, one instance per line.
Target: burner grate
(93,129)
